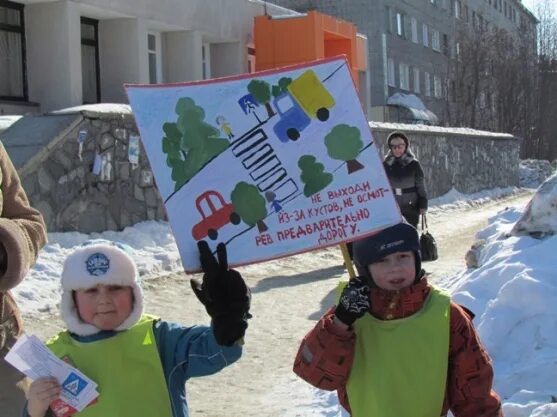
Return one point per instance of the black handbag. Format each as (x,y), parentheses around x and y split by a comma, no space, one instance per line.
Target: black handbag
(428,245)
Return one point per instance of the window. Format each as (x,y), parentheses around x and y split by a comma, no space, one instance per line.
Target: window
(457,9)
(155,60)
(444,4)
(13,76)
(400,24)
(435,40)
(446,44)
(206,61)
(425,35)
(404,73)
(391,72)
(414,25)
(90,69)
(437,88)
(457,50)
(388,20)
(416,79)
(427,84)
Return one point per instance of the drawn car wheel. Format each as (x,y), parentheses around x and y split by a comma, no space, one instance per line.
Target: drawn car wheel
(235,218)
(293,134)
(213,234)
(323,114)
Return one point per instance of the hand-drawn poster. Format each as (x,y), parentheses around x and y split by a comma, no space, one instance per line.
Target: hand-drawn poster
(271,163)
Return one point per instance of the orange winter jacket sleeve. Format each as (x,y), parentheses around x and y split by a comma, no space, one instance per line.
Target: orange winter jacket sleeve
(326,354)
(470,374)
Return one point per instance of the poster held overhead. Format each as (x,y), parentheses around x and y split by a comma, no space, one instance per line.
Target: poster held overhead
(271,163)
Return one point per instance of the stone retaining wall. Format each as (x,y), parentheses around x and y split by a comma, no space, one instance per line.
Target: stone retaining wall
(464,159)
(74,197)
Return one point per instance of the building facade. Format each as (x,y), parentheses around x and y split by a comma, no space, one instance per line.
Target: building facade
(410,44)
(61,53)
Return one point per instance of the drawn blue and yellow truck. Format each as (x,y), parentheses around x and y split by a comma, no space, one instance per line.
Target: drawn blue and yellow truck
(305,99)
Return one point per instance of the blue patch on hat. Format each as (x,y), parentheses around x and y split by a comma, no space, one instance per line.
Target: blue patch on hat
(97,264)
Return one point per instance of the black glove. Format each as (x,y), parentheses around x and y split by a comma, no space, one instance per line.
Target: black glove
(354,301)
(224,294)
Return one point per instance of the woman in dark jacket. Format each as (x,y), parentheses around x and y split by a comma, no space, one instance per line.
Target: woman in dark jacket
(407,178)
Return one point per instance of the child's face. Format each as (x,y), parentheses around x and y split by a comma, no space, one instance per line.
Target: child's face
(104,306)
(394,271)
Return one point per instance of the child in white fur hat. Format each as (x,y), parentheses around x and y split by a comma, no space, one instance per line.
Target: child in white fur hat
(140,363)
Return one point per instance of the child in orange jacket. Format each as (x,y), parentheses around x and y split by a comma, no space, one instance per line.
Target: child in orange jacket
(396,346)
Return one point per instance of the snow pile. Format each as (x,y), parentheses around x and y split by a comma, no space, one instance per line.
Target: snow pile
(101,108)
(540,217)
(456,200)
(513,295)
(7,121)
(532,172)
(155,253)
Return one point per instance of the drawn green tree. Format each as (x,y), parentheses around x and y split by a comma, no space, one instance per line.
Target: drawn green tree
(261,92)
(250,205)
(344,143)
(190,143)
(281,87)
(313,175)
(175,156)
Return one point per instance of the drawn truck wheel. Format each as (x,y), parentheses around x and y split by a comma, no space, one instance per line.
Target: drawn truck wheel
(213,234)
(293,134)
(323,114)
(235,218)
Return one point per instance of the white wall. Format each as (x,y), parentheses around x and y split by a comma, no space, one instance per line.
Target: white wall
(228,59)
(182,56)
(53,41)
(123,57)
(222,19)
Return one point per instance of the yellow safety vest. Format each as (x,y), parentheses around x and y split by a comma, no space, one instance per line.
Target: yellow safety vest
(400,366)
(127,369)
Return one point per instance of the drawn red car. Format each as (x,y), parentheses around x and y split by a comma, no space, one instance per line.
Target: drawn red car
(221,213)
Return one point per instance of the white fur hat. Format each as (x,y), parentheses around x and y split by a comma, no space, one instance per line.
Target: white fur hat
(98,262)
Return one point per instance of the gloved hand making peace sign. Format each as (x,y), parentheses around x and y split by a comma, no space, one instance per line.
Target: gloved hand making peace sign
(224,294)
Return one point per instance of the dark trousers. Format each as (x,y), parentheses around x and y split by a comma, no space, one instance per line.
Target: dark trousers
(412,217)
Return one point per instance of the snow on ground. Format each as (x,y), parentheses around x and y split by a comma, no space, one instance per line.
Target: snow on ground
(532,172)
(513,295)
(155,253)
(512,292)
(7,121)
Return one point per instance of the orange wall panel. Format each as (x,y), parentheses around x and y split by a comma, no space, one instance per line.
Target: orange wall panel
(286,41)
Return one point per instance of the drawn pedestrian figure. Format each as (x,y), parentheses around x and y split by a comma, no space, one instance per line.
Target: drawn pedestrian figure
(224,126)
(248,105)
(271,198)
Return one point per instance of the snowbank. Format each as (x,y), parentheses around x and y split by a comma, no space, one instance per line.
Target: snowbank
(7,121)
(513,295)
(533,172)
(540,217)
